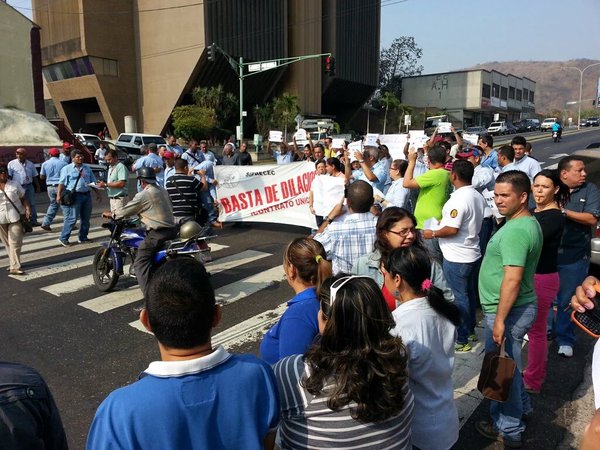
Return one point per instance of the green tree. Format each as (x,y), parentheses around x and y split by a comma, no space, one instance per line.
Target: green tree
(285,109)
(215,98)
(389,101)
(193,121)
(400,59)
(263,115)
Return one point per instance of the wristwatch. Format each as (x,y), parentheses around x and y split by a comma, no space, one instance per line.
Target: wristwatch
(563,211)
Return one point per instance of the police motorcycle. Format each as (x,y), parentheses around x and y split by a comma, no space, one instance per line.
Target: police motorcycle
(126,236)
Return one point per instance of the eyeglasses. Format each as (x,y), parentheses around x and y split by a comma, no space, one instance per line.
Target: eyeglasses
(403,232)
(337,285)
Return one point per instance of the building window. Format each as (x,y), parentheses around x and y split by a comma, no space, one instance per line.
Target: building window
(485,90)
(80,67)
(519,95)
(511,92)
(531,96)
(495,90)
(503,93)
(525,94)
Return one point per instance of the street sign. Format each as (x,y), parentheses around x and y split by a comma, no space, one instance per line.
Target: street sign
(407,120)
(244,113)
(259,67)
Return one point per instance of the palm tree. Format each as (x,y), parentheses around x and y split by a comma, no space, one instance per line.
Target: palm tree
(391,102)
(285,109)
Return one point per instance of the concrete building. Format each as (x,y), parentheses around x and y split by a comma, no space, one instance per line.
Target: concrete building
(472,97)
(104,61)
(21,84)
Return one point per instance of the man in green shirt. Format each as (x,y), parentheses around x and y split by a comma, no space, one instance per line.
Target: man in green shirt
(508,298)
(116,181)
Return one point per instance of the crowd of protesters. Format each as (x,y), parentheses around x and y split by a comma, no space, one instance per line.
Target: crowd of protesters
(387,290)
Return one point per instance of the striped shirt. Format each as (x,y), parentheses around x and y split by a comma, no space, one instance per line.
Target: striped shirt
(307,421)
(184,192)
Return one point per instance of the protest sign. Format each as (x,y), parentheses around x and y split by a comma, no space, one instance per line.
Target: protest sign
(327,192)
(418,138)
(275,136)
(471,138)
(300,135)
(490,203)
(266,193)
(395,143)
(444,127)
(371,139)
(337,143)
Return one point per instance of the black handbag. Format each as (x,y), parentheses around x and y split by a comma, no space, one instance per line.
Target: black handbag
(25,223)
(67,196)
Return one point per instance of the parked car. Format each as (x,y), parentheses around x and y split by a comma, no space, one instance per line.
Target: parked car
(84,137)
(497,128)
(512,129)
(526,125)
(131,142)
(476,130)
(593,122)
(548,123)
(584,123)
(122,155)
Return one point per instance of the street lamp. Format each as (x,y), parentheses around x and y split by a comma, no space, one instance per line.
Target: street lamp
(581,88)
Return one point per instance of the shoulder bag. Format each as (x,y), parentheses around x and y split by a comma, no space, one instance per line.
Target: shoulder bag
(497,373)
(67,196)
(27,227)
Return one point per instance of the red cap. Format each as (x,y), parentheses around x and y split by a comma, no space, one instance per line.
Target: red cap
(54,151)
(168,155)
(67,145)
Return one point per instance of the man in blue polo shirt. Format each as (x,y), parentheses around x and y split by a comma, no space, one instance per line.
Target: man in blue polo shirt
(198,396)
(50,171)
(76,177)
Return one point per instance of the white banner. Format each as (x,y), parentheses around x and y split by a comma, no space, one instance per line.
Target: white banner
(266,193)
(395,143)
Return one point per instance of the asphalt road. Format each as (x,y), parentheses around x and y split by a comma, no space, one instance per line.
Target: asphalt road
(86,344)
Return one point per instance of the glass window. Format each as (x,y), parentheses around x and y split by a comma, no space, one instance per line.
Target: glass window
(485,90)
(495,90)
(125,138)
(519,95)
(531,96)
(511,92)
(503,93)
(137,140)
(526,94)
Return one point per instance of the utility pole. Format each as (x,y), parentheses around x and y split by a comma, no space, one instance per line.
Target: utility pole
(258,67)
(581,88)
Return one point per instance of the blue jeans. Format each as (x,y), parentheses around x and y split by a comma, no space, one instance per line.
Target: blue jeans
(460,277)
(571,276)
(207,203)
(52,208)
(81,207)
(30,195)
(507,416)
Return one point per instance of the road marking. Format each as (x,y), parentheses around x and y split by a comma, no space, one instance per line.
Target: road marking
(552,166)
(49,236)
(113,300)
(557,155)
(53,242)
(53,269)
(233,292)
(239,259)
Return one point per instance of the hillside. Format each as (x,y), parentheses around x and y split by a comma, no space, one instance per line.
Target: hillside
(556,85)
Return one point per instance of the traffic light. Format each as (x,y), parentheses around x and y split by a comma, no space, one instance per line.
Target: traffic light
(212,52)
(330,66)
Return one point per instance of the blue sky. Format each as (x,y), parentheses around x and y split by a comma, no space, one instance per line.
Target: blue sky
(455,34)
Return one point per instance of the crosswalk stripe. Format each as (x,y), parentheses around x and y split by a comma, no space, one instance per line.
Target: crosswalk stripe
(86,281)
(53,269)
(51,236)
(36,246)
(113,300)
(233,292)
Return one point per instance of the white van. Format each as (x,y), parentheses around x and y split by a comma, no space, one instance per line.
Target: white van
(131,142)
(548,123)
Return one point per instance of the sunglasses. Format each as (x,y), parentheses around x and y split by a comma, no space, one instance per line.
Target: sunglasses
(337,285)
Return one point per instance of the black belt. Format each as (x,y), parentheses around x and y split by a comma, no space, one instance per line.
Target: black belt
(52,185)
(83,193)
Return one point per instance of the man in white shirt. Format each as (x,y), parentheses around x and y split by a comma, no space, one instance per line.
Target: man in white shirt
(523,162)
(458,237)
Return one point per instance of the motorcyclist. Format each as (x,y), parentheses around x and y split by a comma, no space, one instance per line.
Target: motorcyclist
(556,127)
(153,206)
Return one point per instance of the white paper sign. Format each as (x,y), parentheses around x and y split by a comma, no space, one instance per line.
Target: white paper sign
(337,143)
(327,192)
(418,140)
(354,147)
(395,143)
(371,139)
(471,138)
(444,127)
(267,193)
(490,202)
(300,135)
(275,136)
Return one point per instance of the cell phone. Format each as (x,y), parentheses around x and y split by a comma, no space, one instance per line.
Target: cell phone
(589,321)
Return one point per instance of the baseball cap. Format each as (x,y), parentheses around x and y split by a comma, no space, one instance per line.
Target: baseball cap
(469,152)
(168,155)
(67,145)
(54,151)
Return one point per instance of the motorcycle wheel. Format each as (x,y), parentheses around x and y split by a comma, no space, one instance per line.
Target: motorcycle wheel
(105,275)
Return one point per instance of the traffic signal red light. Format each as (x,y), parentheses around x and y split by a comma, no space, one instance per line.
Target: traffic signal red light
(330,65)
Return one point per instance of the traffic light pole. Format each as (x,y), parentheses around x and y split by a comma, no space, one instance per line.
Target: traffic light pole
(255,68)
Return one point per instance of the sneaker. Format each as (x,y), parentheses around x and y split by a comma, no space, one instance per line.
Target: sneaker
(462,347)
(526,337)
(473,337)
(36,224)
(17,272)
(488,430)
(64,243)
(46,227)
(84,241)
(566,351)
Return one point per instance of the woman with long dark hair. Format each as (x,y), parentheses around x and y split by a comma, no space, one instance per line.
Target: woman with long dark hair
(306,267)
(396,228)
(351,390)
(550,195)
(426,322)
